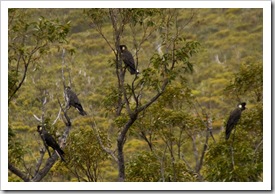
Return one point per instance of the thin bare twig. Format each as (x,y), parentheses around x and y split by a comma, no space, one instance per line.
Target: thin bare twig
(107,150)
(38,119)
(57,117)
(62,69)
(257,147)
(232,149)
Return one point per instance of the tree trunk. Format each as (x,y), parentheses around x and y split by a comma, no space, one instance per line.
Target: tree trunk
(120,144)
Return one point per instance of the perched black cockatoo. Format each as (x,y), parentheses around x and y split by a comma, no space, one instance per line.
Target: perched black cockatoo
(72,100)
(233,119)
(50,141)
(128,60)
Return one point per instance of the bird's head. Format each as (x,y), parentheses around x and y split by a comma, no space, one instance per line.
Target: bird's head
(39,128)
(67,88)
(123,47)
(242,106)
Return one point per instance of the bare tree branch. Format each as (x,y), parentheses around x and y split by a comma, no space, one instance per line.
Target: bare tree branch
(107,150)
(18,173)
(38,119)
(44,171)
(141,108)
(62,69)
(257,147)
(26,65)
(232,149)
(57,117)
(143,136)
(39,162)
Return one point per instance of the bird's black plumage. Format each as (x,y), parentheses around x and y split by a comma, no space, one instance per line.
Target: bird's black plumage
(128,60)
(50,141)
(72,100)
(233,119)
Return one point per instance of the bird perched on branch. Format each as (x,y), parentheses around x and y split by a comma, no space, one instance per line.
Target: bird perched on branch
(50,141)
(72,100)
(128,60)
(233,119)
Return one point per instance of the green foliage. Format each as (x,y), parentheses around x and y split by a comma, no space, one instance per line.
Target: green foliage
(241,165)
(143,168)
(28,41)
(85,155)
(141,16)
(148,167)
(50,30)
(249,81)
(16,150)
(97,15)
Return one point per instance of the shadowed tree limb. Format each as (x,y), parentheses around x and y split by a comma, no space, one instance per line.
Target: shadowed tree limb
(18,173)
(39,162)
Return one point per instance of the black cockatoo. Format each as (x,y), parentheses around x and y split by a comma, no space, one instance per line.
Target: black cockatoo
(233,119)
(128,60)
(72,100)
(50,141)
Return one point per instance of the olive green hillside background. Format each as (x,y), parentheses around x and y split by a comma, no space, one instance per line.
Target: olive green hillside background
(165,124)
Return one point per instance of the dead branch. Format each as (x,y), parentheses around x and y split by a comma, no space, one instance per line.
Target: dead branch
(57,117)
(38,119)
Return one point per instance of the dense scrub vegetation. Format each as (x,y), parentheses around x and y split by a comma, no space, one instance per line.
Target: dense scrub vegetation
(165,124)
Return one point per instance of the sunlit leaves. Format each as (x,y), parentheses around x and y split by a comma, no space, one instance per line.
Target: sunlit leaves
(51,30)
(249,80)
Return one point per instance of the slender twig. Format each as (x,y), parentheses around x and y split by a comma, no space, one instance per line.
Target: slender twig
(143,136)
(107,150)
(57,117)
(38,119)
(62,69)
(187,163)
(257,147)
(77,175)
(232,149)
(39,162)
(162,166)
(206,124)
(195,149)
(153,99)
